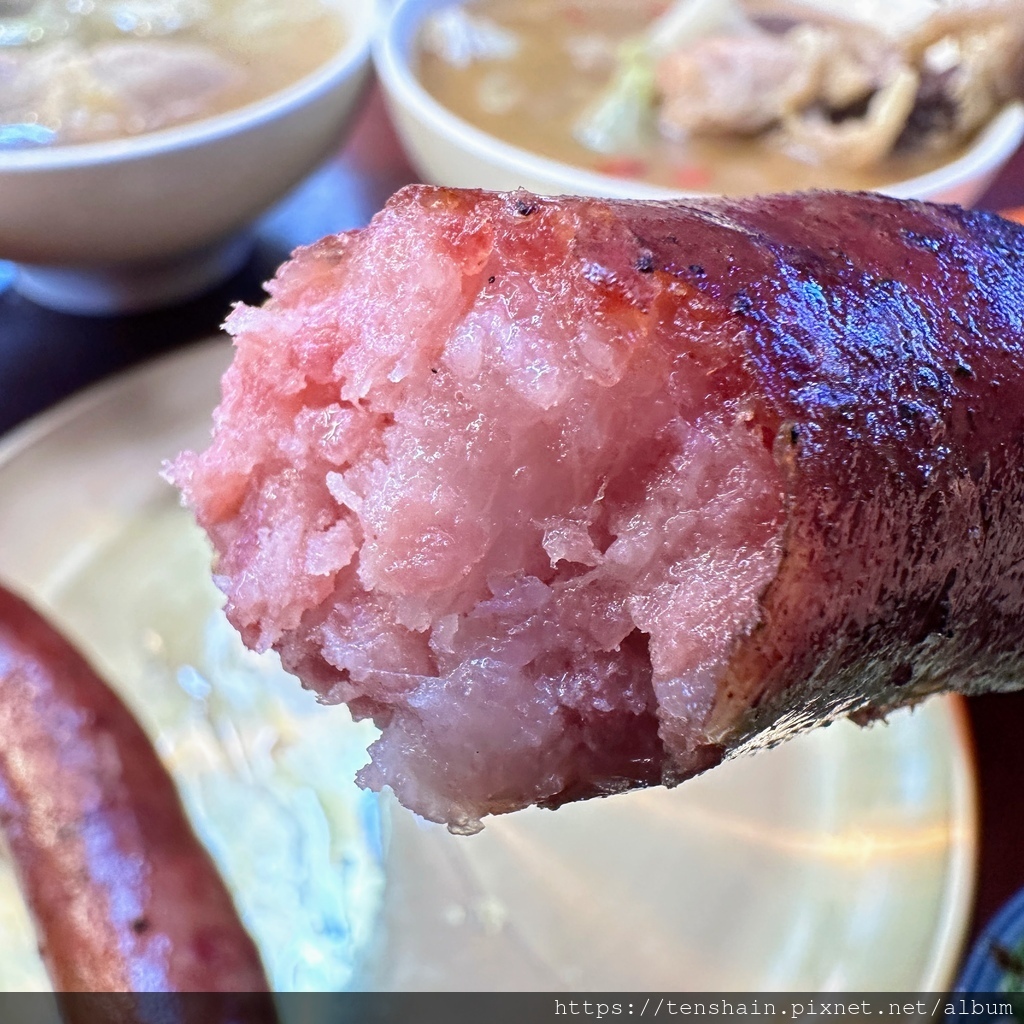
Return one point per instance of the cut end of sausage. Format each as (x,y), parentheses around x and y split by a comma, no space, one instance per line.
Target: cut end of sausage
(480,484)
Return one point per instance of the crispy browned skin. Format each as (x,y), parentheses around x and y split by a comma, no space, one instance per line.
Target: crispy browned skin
(880,345)
(125,897)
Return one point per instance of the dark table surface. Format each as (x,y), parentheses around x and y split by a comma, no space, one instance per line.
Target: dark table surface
(47,356)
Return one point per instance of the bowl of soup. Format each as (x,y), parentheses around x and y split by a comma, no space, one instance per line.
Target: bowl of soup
(139,138)
(503,94)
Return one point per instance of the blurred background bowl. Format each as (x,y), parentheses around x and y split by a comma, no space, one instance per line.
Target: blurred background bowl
(144,221)
(447,150)
(996,961)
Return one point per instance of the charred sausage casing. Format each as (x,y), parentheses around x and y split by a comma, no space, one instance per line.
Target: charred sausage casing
(124,896)
(575,495)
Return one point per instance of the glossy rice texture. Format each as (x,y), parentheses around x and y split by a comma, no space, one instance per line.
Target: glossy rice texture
(573,496)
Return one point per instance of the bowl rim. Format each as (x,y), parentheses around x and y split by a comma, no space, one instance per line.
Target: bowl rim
(392,49)
(360,20)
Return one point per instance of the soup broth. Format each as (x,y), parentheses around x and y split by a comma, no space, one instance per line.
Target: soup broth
(530,68)
(75,71)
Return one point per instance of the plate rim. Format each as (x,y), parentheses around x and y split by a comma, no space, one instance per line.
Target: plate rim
(962,874)
(23,435)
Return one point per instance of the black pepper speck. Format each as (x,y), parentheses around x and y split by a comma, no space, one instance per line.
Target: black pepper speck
(741,304)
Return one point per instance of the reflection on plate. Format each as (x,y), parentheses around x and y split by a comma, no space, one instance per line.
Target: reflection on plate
(843,860)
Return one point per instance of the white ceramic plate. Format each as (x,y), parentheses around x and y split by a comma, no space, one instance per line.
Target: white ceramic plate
(843,860)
